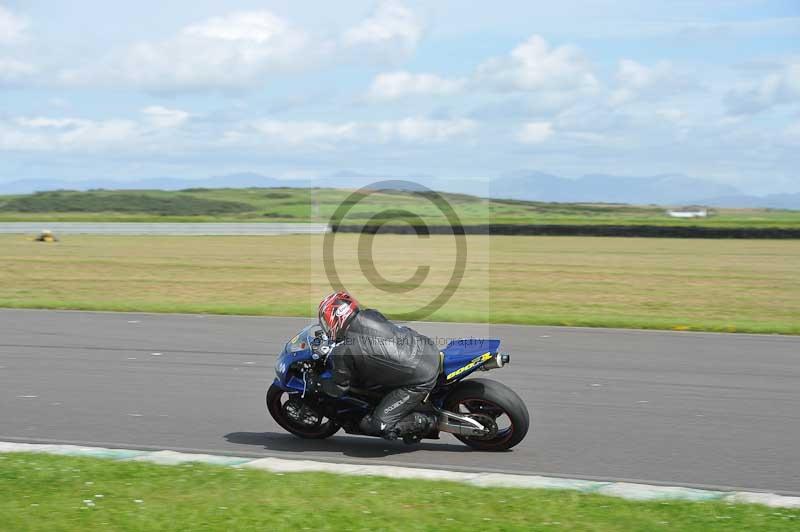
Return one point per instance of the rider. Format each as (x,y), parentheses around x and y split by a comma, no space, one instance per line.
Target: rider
(370,350)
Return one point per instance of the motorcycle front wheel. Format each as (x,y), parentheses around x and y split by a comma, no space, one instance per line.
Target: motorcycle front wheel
(494,404)
(276,404)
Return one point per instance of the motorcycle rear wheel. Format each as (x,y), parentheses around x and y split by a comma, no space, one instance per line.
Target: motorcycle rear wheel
(484,397)
(275,396)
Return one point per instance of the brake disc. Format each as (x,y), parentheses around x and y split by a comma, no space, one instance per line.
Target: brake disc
(301,413)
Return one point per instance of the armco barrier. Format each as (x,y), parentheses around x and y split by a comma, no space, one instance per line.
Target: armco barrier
(658,231)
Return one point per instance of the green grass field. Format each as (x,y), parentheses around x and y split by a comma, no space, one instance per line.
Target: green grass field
(714,285)
(54,493)
(303,205)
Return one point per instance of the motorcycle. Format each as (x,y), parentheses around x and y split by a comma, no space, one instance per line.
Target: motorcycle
(484,414)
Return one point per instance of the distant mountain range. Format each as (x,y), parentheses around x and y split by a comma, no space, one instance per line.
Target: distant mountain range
(667,189)
(244,180)
(771,201)
(660,189)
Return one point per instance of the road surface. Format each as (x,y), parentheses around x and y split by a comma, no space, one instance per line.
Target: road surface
(694,409)
(163,228)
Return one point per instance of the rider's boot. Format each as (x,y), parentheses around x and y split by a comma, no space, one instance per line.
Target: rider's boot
(414,427)
(411,428)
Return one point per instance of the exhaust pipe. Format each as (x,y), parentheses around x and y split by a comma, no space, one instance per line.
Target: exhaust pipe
(497,361)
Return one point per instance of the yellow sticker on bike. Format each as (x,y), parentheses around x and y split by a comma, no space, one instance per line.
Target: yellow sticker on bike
(472,363)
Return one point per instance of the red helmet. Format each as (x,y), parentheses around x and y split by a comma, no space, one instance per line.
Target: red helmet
(336,312)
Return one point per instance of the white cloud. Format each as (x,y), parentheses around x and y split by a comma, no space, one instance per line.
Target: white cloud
(535,66)
(12,27)
(12,31)
(632,126)
(317,133)
(156,131)
(781,86)
(637,76)
(12,70)
(424,130)
(395,85)
(392,26)
(299,132)
(235,51)
(65,134)
(41,122)
(162,117)
(636,80)
(535,132)
(254,26)
(95,134)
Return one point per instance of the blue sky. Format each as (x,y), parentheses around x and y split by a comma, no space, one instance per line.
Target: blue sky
(452,88)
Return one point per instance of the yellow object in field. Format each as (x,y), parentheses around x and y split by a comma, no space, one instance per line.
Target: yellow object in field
(46,236)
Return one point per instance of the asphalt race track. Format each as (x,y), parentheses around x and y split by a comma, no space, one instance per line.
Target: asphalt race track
(661,407)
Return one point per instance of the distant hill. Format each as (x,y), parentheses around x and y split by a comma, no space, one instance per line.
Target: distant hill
(174,204)
(205,204)
(660,189)
(770,201)
(665,189)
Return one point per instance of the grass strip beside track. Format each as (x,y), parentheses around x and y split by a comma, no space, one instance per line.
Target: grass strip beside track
(55,493)
(712,285)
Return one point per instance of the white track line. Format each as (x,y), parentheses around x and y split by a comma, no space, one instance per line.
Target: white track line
(625,490)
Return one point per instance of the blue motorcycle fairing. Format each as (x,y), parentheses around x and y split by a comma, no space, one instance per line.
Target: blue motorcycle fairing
(460,358)
(297,349)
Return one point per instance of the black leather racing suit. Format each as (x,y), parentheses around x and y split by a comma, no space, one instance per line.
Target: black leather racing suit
(376,352)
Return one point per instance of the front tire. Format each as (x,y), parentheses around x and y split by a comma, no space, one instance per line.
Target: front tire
(275,402)
(484,397)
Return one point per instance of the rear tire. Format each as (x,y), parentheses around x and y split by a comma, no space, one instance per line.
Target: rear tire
(275,396)
(486,396)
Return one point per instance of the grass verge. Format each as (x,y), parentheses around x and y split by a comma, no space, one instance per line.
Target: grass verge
(55,493)
(711,285)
